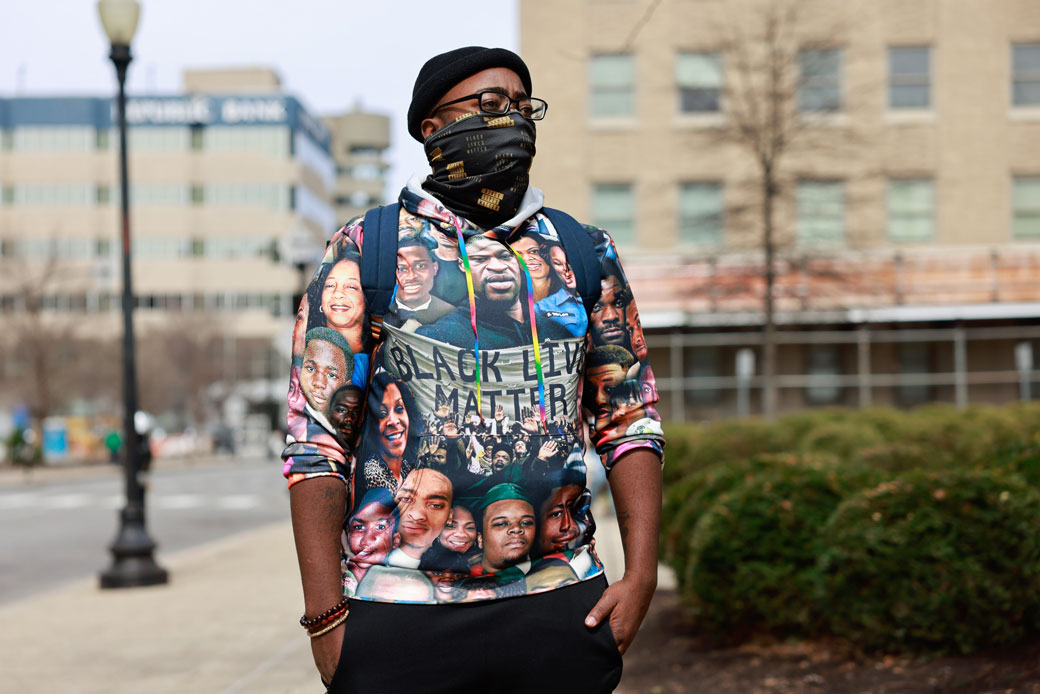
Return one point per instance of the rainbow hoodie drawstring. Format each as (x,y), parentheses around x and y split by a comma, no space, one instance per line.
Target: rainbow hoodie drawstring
(476,338)
(472,315)
(534,339)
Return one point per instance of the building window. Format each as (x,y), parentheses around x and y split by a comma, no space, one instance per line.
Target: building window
(103,194)
(1025,203)
(700,214)
(699,78)
(913,358)
(54,138)
(911,210)
(198,195)
(612,86)
(824,365)
(821,213)
(102,248)
(1025,74)
(102,140)
(819,83)
(614,210)
(909,77)
(6,195)
(702,362)
(198,137)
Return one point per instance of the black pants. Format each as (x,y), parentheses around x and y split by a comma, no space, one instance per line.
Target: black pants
(533,644)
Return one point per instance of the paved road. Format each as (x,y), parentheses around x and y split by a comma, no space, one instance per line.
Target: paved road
(57,531)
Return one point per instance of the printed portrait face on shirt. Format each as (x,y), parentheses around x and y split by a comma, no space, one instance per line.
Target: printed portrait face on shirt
(345,411)
(372,531)
(529,250)
(562,268)
(300,326)
(508,533)
(635,333)
(443,582)
(424,502)
(603,379)
(342,299)
(460,532)
(416,271)
(393,423)
(626,400)
(496,274)
(609,315)
(500,458)
(558,527)
(324,369)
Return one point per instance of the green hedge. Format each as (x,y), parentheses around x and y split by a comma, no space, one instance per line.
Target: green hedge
(934,561)
(752,554)
(762,523)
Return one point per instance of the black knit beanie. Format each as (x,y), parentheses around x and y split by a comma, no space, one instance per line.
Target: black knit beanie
(444,71)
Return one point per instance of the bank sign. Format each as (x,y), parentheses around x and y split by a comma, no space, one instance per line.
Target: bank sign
(213,110)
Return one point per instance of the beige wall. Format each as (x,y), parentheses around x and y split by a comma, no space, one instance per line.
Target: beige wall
(970,142)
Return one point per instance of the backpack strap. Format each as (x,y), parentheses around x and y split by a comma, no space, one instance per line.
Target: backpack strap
(379,263)
(581,254)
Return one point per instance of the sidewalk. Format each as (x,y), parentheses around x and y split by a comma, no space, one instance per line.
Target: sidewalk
(226,623)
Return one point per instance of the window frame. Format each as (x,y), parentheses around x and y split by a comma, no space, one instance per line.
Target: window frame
(598,90)
(910,79)
(681,89)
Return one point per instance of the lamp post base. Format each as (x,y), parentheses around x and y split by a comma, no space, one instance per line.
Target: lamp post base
(132,562)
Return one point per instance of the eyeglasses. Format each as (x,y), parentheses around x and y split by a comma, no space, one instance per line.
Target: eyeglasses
(497,104)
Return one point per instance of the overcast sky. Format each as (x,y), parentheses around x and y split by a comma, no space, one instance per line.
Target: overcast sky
(332,54)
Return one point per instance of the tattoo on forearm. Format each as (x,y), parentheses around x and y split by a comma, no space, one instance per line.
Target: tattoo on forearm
(333,509)
(623,520)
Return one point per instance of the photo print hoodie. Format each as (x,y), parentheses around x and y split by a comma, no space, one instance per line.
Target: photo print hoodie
(460,432)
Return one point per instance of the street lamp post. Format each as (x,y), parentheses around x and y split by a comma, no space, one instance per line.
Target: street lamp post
(132,560)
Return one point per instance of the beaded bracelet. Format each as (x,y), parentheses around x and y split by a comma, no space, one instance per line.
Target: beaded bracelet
(324,617)
(342,618)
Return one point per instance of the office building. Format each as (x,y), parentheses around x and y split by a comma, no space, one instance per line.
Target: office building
(907,213)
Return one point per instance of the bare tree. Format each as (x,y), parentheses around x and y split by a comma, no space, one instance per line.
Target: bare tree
(769,117)
(179,361)
(48,360)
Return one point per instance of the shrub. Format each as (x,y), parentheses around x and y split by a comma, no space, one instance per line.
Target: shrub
(752,555)
(845,439)
(897,457)
(1022,459)
(963,437)
(934,561)
(686,500)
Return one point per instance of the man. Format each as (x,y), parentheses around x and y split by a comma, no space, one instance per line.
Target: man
(606,367)
(416,271)
(327,365)
(345,411)
(501,457)
(610,315)
(501,319)
(557,528)
(473,111)
(424,501)
(507,531)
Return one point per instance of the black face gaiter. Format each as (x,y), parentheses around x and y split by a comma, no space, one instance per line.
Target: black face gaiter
(480,166)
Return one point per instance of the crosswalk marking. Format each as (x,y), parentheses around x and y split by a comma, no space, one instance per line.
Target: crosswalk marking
(16,501)
(178,501)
